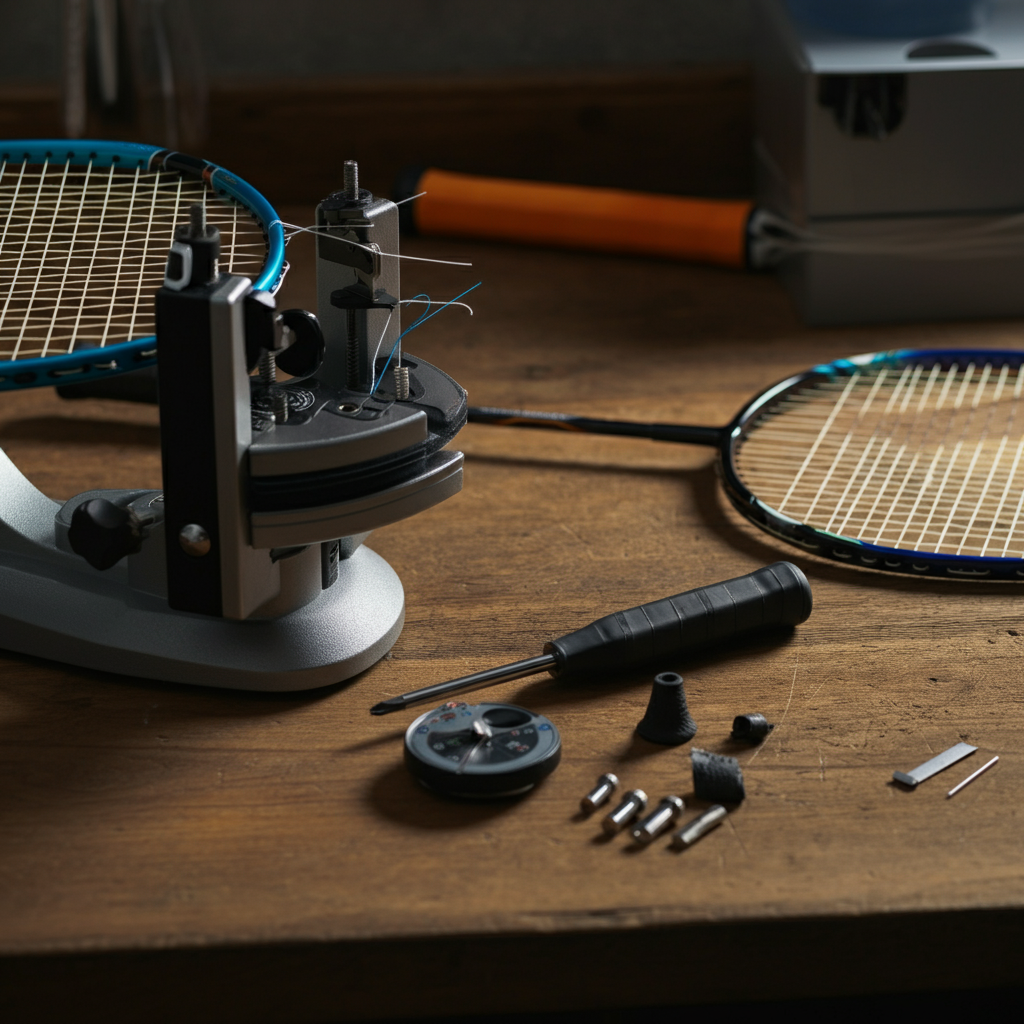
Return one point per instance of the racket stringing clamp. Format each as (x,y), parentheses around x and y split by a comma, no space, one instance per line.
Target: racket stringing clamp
(248,569)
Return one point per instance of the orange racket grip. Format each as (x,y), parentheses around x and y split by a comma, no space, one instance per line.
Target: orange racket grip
(581,217)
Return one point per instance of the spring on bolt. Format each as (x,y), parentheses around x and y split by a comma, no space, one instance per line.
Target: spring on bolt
(401,383)
(268,367)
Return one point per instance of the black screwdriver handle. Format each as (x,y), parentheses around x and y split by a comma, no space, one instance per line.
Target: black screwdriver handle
(776,595)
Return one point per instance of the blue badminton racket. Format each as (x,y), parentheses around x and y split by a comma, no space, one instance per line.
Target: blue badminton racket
(85,228)
(909,461)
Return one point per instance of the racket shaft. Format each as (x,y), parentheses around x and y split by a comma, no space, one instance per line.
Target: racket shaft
(776,595)
(586,425)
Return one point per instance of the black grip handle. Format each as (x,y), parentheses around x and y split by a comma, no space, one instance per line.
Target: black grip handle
(776,595)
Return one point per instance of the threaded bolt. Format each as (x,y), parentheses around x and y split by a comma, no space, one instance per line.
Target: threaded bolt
(279,398)
(401,383)
(197,220)
(350,178)
(268,367)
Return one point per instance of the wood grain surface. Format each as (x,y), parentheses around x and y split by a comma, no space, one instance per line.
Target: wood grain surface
(168,850)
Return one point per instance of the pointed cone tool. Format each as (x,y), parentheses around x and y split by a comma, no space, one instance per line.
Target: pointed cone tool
(668,719)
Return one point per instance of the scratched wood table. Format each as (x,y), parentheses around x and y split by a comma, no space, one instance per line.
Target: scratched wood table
(169,851)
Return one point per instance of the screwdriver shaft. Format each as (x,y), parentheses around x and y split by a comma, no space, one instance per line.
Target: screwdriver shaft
(516,670)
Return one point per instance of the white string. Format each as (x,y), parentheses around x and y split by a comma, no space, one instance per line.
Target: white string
(127,228)
(431,302)
(821,436)
(142,266)
(869,476)
(380,341)
(79,251)
(46,249)
(314,229)
(64,277)
(409,199)
(774,237)
(1013,469)
(849,436)
(92,262)
(21,256)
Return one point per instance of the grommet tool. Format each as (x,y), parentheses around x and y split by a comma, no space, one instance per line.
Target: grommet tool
(776,595)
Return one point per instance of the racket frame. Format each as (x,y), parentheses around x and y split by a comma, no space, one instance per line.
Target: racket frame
(137,353)
(835,546)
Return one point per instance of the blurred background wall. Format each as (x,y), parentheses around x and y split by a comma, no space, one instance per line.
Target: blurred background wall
(305,38)
(644,94)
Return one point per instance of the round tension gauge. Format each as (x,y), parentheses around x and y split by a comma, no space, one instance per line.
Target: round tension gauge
(481,750)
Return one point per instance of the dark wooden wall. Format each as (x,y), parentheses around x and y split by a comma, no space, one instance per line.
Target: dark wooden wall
(686,131)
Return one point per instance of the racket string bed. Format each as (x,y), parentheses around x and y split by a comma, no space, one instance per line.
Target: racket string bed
(916,457)
(83,249)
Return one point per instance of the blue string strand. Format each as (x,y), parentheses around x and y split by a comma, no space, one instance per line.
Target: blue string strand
(412,327)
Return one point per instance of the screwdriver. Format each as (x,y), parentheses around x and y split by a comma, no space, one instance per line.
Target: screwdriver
(776,595)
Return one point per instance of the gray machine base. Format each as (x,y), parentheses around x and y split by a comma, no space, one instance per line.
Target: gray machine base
(53,605)
(345,630)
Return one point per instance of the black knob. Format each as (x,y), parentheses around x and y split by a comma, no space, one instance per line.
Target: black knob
(306,353)
(103,533)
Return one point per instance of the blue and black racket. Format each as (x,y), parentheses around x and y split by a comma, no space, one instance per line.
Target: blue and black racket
(908,461)
(85,228)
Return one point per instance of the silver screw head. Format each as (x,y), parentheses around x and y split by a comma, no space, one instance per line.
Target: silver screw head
(194,540)
(669,808)
(633,803)
(606,785)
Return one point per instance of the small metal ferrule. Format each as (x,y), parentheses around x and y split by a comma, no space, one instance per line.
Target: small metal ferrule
(633,803)
(606,785)
(668,809)
(689,834)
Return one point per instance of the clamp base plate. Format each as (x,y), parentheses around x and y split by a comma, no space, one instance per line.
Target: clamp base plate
(84,621)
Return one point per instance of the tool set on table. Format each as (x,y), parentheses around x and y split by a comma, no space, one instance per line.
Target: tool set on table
(248,569)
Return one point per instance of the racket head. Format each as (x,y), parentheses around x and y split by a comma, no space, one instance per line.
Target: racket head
(85,226)
(906,461)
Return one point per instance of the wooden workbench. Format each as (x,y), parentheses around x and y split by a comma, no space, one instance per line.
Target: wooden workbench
(170,852)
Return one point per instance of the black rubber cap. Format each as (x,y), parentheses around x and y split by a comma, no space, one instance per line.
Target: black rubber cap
(716,778)
(751,728)
(668,719)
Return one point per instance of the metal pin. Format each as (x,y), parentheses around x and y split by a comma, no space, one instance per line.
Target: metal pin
(633,803)
(658,820)
(689,834)
(972,777)
(606,785)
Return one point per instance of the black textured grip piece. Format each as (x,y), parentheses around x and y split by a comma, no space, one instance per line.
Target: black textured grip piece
(717,778)
(776,595)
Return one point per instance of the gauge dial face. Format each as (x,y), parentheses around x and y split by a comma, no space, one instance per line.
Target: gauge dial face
(481,749)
